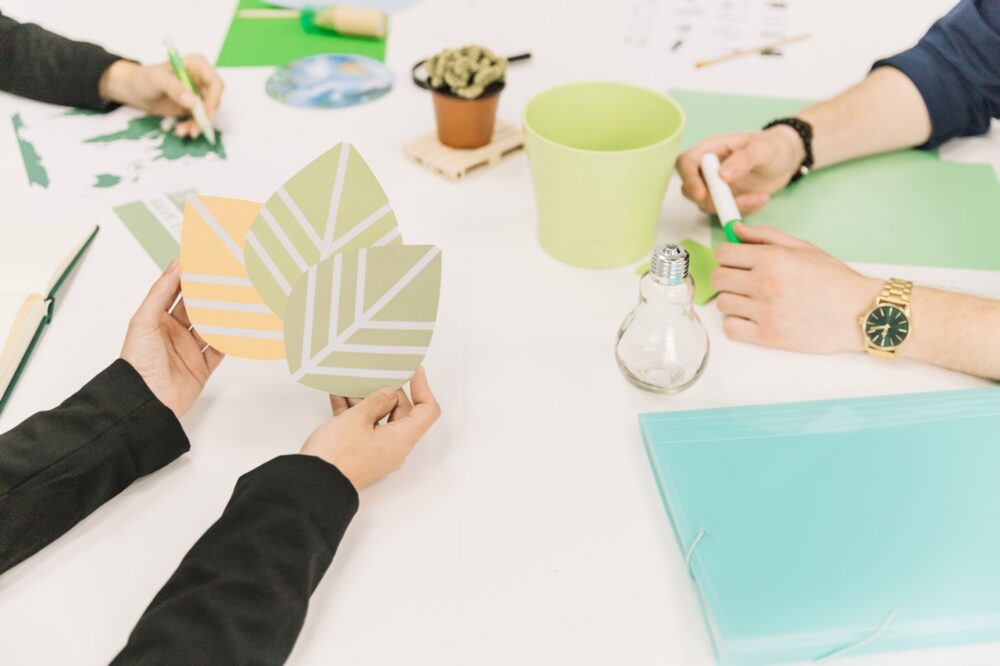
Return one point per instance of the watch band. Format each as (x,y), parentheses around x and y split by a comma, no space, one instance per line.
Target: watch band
(805,132)
(896,292)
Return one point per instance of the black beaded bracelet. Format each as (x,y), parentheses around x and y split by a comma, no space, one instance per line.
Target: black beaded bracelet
(805,132)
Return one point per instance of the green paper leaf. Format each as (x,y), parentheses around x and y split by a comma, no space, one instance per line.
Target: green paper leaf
(333,205)
(360,321)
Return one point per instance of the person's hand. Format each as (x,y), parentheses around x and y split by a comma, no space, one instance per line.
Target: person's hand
(779,291)
(755,164)
(160,344)
(156,89)
(363,449)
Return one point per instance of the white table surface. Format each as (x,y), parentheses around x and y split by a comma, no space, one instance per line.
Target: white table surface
(526,527)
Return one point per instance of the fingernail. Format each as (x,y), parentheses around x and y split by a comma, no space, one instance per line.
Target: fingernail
(387,392)
(171,267)
(187,100)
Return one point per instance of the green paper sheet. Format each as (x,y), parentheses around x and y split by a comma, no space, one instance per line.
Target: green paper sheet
(272,42)
(701,267)
(906,207)
(155,222)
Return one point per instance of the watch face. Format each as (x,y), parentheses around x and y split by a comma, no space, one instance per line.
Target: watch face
(887,326)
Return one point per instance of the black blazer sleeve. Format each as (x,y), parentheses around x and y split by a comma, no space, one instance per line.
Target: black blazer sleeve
(240,594)
(41,65)
(60,465)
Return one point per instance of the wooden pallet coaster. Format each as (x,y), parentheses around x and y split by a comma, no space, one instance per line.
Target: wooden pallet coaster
(455,163)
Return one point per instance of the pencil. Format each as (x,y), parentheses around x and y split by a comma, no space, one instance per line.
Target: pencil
(757,49)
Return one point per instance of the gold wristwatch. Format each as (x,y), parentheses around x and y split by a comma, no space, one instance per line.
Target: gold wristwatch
(887,325)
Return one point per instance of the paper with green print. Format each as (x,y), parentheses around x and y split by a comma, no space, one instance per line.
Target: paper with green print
(360,321)
(333,205)
(907,207)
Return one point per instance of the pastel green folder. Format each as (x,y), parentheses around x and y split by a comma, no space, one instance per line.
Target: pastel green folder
(819,529)
(908,207)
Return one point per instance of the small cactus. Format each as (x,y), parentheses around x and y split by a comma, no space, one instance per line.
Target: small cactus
(466,72)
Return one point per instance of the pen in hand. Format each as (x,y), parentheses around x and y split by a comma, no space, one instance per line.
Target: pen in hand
(198,108)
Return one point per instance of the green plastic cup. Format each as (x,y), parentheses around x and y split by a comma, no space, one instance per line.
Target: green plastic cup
(601,155)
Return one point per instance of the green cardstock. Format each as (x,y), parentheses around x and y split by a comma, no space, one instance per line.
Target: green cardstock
(264,42)
(906,207)
(701,267)
(333,205)
(360,321)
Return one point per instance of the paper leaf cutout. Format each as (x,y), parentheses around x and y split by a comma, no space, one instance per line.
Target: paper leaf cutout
(333,205)
(220,300)
(360,321)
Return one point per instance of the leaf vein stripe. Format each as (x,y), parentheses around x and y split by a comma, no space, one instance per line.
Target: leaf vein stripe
(217,228)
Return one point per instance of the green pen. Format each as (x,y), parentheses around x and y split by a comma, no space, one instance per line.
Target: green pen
(722,196)
(198,109)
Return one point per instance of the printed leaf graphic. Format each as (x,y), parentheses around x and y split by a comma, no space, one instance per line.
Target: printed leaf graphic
(360,321)
(333,205)
(220,300)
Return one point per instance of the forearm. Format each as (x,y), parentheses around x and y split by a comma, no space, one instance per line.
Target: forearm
(41,65)
(58,466)
(883,112)
(241,593)
(955,331)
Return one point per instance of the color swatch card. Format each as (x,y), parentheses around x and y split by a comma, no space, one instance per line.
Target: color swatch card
(907,207)
(820,529)
(317,275)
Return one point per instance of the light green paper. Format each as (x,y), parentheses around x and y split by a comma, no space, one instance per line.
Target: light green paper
(335,344)
(295,228)
(701,267)
(149,228)
(149,231)
(255,42)
(601,155)
(906,207)
(37,175)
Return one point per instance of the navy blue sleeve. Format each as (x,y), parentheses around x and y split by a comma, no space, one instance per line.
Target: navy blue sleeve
(956,68)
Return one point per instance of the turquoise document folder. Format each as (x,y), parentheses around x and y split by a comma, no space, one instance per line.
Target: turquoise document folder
(817,529)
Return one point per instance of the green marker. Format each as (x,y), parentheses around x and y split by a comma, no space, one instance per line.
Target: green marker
(198,109)
(722,196)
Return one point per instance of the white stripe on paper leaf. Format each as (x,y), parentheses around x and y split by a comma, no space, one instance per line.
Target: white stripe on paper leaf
(362,320)
(333,205)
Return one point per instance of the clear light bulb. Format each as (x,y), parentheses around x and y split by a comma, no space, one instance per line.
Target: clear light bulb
(662,345)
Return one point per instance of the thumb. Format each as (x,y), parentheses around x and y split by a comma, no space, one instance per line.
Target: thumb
(161,296)
(377,406)
(172,87)
(744,160)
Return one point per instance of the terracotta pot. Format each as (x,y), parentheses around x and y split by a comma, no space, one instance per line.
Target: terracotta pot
(465,123)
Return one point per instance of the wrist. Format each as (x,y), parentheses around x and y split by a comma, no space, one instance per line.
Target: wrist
(115,82)
(789,149)
(863,300)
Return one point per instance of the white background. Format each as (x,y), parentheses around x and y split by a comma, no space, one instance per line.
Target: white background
(526,528)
